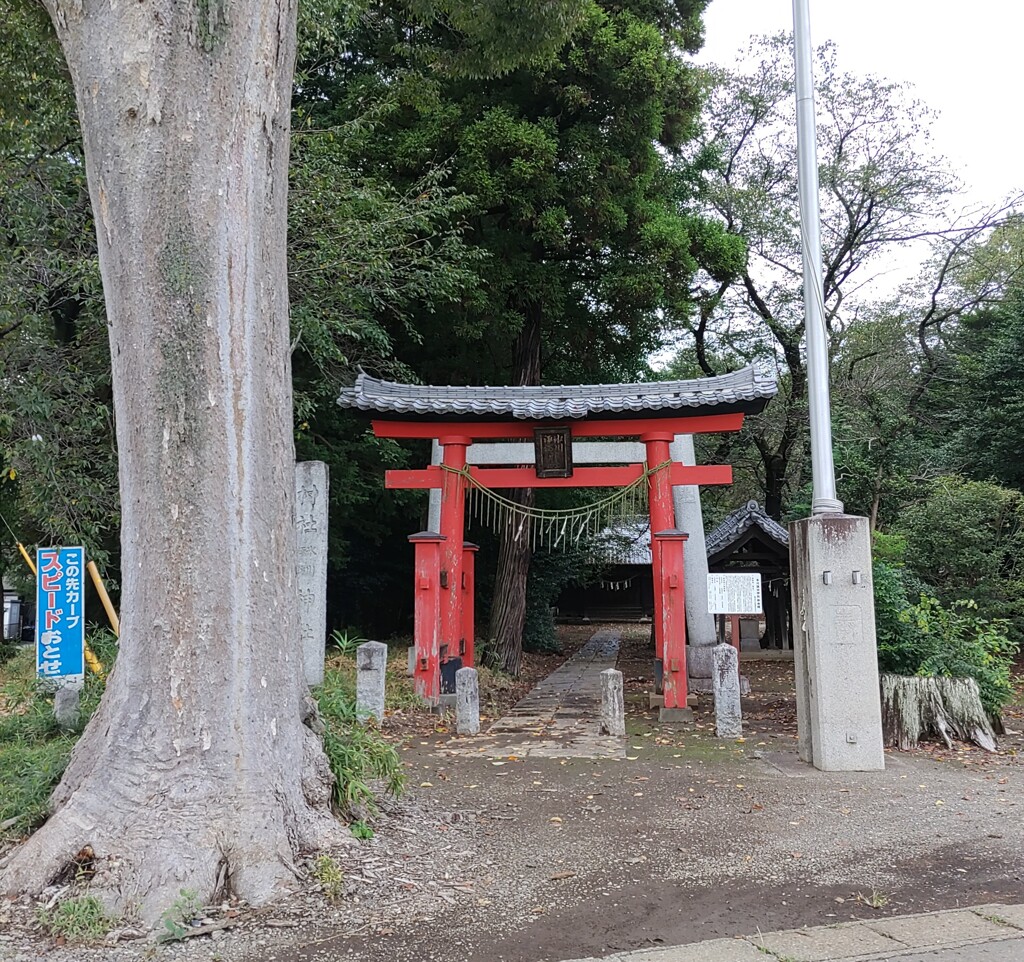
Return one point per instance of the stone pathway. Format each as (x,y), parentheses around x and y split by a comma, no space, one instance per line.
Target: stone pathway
(993,933)
(560,717)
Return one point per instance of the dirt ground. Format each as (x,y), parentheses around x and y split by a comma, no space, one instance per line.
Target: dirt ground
(688,837)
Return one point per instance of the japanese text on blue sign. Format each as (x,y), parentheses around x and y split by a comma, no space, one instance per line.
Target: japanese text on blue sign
(60,614)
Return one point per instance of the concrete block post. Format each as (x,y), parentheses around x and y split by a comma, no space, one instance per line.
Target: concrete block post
(65,706)
(311,489)
(839,712)
(613,708)
(467,702)
(371,672)
(726,682)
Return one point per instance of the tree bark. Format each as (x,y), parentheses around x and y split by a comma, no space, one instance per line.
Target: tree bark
(508,610)
(196,771)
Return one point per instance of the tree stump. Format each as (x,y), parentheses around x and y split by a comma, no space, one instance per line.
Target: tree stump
(914,707)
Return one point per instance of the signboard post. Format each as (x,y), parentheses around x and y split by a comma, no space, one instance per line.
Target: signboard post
(60,616)
(734,594)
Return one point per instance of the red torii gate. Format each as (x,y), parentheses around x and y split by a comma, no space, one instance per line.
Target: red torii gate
(456,417)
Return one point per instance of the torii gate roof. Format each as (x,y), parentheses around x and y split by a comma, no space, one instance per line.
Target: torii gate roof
(747,390)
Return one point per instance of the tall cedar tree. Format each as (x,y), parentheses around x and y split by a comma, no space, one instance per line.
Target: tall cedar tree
(587,228)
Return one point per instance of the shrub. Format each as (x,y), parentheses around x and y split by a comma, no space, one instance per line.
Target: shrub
(966,540)
(956,642)
(932,639)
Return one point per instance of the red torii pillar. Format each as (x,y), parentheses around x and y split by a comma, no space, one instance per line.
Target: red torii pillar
(453,508)
(668,546)
(427,615)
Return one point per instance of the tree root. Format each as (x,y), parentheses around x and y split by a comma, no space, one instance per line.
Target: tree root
(215,836)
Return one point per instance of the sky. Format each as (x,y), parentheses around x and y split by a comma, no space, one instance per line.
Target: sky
(963,59)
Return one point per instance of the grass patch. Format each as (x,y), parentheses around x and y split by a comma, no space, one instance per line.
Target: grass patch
(399,690)
(79,919)
(361,760)
(33,750)
(327,872)
(180,916)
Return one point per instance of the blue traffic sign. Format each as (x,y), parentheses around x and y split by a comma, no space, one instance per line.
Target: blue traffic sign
(60,614)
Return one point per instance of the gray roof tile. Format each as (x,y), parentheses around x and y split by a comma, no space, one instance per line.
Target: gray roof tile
(742,520)
(748,389)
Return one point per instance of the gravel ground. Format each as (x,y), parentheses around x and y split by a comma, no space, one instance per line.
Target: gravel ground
(688,837)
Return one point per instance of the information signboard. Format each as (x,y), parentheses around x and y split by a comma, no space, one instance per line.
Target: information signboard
(60,615)
(734,594)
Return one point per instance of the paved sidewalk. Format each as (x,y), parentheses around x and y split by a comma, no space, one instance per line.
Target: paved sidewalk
(986,933)
(561,716)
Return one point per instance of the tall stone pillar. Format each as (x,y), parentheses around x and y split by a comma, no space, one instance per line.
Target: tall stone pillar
(311,488)
(839,714)
(434,497)
(700,624)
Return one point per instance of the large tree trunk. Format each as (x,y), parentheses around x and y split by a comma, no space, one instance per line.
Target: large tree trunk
(196,771)
(508,609)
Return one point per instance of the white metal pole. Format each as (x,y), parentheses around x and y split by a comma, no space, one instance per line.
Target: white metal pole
(823,472)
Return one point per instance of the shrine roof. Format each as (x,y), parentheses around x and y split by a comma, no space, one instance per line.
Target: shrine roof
(737,524)
(746,390)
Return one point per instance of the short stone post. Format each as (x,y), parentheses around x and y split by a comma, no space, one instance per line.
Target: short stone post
(371,670)
(65,706)
(467,702)
(613,709)
(726,682)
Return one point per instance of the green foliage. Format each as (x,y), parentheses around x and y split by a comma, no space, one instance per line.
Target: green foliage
(179,917)
(56,426)
(33,750)
(958,643)
(328,874)
(78,919)
(978,393)
(930,639)
(965,539)
(581,223)
(550,572)
(361,830)
(359,757)
(346,642)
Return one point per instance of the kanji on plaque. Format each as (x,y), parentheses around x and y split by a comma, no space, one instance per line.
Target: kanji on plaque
(60,621)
